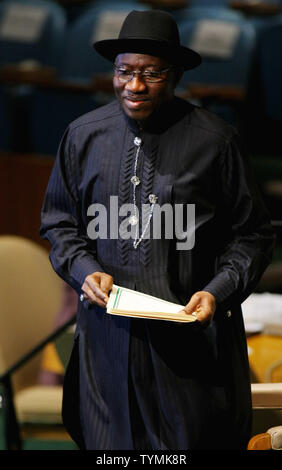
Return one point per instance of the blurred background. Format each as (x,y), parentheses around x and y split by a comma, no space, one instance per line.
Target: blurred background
(50,75)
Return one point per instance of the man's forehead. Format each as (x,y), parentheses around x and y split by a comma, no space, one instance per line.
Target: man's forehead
(128,58)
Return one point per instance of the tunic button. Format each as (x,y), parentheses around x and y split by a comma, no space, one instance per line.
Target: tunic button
(135,180)
(153,198)
(229,313)
(133,220)
(137,141)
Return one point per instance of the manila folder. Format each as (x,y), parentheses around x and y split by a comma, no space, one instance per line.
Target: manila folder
(127,302)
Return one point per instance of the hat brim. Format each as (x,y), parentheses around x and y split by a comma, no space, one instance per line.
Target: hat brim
(176,55)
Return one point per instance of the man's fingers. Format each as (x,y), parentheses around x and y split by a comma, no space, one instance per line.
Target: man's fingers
(94,282)
(184,312)
(202,304)
(91,297)
(106,284)
(96,288)
(192,305)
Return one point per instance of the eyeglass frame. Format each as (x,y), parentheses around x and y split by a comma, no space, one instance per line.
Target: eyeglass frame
(142,74)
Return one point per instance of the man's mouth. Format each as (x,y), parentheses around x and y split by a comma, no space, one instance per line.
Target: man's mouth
(135,101)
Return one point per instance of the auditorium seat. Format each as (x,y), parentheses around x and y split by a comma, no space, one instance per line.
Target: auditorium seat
(226,42)
(265,113)
(52,110)
(32,39)
(101,21)
(267,397)
(270,54)
(31,30)
(30,297)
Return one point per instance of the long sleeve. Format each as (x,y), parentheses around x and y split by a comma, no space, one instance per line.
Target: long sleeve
(72,254)
(251,236)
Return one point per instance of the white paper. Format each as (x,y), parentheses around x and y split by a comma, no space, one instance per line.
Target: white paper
(108,25)
(127,299)
(215,38)
(22,23)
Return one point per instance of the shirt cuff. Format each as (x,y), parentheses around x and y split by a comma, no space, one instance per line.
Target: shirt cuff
(82,267)
(222,288)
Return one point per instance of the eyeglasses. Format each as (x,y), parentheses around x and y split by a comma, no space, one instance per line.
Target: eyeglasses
(150,76)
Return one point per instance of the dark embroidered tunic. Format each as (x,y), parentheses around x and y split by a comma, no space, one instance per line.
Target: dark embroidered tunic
(197,379)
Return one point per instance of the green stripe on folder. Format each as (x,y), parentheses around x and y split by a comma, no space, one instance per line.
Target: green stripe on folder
(117,298)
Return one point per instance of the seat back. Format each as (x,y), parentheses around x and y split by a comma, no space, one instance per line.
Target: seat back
(50,114)
(102,21)
(270,62)
(226,43)
(31,30)
(30,295)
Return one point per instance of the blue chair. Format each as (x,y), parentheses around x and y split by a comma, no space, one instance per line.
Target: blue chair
(52,111)
(81,61)
(260,20)
(266,116)
(50,114)
(31,29)
(270,63)
(197,10)
(231,69)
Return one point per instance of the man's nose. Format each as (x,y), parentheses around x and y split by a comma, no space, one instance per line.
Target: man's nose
(136,84)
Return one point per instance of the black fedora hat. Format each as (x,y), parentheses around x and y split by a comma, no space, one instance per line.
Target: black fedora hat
(152,32)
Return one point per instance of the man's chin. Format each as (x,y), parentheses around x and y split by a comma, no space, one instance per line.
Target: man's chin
(137,115)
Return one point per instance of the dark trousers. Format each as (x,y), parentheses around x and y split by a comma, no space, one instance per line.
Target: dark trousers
(144,412)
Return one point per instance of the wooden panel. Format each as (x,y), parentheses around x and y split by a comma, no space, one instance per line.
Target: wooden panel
(23,181)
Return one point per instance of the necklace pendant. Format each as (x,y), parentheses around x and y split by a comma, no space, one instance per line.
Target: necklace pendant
(153,198)
(137,141)
(133,220)
(135,180)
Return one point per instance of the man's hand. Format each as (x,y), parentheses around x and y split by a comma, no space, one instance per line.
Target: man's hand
(96,288)
(203,304)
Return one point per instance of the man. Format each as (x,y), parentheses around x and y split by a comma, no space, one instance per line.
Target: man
(148,384)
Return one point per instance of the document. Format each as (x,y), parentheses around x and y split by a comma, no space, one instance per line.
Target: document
(130,303)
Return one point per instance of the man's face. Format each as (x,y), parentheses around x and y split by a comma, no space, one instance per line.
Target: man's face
(138,97)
